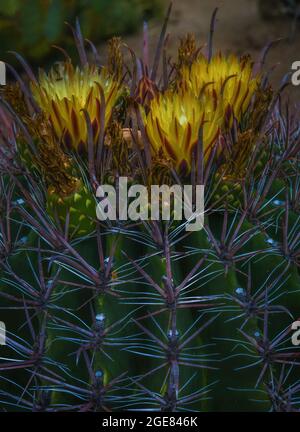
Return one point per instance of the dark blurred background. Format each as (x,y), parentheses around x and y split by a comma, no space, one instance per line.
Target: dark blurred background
(244,26)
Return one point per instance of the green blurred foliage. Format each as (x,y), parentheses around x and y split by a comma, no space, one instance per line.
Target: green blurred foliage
(30,27)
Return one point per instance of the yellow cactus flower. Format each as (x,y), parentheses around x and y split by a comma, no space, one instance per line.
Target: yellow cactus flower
(173,124)
(65,91)
(230,79)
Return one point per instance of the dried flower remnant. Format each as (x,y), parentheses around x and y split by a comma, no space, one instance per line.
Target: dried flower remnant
(187,51)
(115,58)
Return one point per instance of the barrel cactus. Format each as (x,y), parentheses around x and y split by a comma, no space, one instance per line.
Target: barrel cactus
(118,315)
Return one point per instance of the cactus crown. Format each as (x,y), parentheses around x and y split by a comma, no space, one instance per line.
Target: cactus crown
(141,315)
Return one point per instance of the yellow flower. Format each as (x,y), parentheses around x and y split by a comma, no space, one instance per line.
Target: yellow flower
(65,91)
(208,96)
(173,124)
(227,78)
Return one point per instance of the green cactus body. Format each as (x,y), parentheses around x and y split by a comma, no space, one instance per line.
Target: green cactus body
(142,315)
(79,207)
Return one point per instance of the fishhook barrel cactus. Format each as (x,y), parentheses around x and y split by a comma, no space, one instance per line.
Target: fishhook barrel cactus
(124,315)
